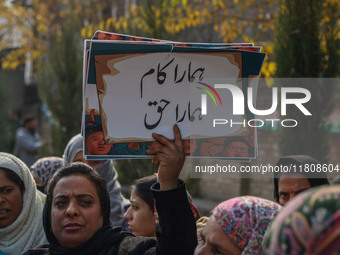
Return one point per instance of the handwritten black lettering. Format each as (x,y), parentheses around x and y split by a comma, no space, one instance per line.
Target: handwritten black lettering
(161,76)
(180,79)
(192,116)
(160,110)
(191,77)
(151,71)
(182,116)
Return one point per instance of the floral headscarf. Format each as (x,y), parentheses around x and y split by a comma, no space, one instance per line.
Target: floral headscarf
(308,225)
(245,221)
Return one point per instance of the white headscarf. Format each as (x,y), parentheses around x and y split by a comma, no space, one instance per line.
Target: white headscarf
(72,148)
(27,230)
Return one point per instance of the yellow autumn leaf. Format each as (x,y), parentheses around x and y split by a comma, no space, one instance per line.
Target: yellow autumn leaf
(108,22)
(177,28)
(269,82)
(124,25)
(272,68)
(101,26)
(35,54)
(245,38)
(89,33)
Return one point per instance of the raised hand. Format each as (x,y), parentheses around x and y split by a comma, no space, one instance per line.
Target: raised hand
(170,154)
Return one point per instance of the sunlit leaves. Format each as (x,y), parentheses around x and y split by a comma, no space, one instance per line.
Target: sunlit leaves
(32,27)
(227,20)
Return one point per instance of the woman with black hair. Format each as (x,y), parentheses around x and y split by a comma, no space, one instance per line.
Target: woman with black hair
(287,184)
(77,209)
(142,215)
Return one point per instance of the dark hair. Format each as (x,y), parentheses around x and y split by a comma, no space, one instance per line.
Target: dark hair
(27,119)
(315,179)
(142,189)
(89,173)
(11,175)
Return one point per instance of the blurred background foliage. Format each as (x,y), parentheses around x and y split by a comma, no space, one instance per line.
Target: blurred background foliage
(307,45)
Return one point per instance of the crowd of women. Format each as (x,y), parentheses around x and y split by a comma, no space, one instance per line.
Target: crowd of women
(84,212)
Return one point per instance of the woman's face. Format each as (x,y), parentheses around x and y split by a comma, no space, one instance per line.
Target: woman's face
(10,201)
(291,185)
(75,212)
(141,218)
(215,241)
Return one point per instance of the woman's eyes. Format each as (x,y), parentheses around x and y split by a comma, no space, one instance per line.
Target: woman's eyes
(283,195)
(135,208)
(60,204)
(85,203)
(64,203)
(7,191)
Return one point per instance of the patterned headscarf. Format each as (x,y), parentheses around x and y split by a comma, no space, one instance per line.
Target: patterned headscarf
(245,221)
(44,168)
(308,225)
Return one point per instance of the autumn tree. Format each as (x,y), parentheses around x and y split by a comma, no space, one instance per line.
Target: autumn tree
(9,119)
(60,84)
(30,25)
(307,47)
(47,33)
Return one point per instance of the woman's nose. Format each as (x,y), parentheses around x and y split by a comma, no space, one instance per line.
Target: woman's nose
(72,209)
(127,214)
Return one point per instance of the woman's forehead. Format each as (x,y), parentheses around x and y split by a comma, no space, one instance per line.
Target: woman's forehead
(74,184)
